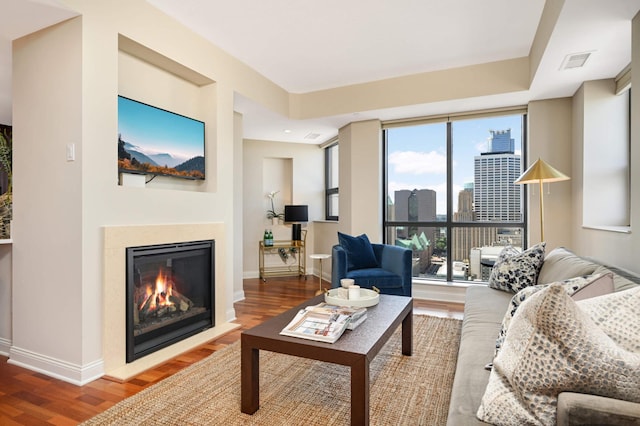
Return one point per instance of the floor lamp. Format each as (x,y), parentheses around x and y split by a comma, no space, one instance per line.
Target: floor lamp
(541,172)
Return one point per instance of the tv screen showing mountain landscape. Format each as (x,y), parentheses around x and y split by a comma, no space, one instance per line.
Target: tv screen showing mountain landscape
(159,142)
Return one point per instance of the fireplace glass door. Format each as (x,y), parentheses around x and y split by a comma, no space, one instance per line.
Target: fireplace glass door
(170,294)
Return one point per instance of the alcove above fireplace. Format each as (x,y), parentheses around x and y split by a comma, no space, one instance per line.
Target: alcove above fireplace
(170,294)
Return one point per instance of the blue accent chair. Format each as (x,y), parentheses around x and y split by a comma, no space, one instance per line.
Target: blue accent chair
(392,275)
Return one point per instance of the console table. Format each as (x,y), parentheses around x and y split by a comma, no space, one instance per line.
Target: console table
(292,249)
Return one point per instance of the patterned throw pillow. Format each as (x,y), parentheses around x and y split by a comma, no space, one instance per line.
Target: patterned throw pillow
(514,271)
(572,286)
(554,346)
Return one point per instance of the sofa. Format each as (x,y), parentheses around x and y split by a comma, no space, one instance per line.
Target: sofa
(484,311)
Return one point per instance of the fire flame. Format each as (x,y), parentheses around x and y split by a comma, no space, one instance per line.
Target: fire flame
(160,296)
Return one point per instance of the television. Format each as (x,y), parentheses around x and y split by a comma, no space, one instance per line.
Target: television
(158,142)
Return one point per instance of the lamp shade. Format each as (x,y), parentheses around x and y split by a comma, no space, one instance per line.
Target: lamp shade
(541,171)
(297,213)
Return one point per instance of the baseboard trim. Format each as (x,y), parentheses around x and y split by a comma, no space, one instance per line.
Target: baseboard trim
(5,346)
(78,375)
(439,292)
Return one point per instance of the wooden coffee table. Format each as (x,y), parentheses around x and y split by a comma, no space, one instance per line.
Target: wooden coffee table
(356,349)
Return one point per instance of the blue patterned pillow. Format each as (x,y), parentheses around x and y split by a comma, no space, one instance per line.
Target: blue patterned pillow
(359,251)
(514,271)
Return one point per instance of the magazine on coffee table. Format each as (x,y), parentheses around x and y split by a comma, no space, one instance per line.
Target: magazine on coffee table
(324,323)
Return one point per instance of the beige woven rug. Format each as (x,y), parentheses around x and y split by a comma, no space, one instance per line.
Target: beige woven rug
(404,390)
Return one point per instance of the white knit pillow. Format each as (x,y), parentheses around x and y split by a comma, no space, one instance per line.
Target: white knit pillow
(553,346)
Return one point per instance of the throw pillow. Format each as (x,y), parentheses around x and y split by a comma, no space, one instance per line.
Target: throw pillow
(618,315)
(514,271)
(553,346)
(359,251)
(601,283)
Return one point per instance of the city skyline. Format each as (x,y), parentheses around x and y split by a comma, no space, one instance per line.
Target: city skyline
(417,154)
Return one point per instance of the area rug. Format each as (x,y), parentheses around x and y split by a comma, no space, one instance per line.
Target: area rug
(404,390)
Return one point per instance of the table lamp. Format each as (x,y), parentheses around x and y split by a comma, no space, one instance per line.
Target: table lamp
(296,214)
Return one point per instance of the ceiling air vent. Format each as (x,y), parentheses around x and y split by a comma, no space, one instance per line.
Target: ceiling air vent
(312,136)
(575,60)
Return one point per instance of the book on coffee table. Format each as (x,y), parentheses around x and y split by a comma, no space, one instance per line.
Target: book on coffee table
(323,322)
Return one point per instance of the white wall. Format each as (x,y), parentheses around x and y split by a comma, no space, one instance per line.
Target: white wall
(297,170)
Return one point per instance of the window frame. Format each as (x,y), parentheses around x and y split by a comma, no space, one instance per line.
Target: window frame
(330,192)
(449,224)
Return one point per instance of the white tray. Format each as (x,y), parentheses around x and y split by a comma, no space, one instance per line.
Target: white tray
(367,298)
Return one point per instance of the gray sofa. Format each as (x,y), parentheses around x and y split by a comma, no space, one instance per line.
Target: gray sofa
(483,313)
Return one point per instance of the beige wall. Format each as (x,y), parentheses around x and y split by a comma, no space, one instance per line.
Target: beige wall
(297,171)
(61,206)
(550,139)
(5,298)
(619,248)
(48,288)
(459,83)
(361,179)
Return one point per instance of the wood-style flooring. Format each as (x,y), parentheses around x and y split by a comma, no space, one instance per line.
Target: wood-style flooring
(30,398)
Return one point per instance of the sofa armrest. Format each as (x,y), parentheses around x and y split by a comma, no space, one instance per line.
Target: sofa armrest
(583,409)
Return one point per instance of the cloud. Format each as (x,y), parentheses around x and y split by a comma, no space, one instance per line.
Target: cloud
(418,163)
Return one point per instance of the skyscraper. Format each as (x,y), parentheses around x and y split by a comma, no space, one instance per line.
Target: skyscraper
(495,196)
(501,142)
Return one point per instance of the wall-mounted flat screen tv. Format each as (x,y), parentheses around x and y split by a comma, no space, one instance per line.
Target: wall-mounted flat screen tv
(155,141)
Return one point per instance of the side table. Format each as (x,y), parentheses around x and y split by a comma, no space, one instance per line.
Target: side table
(320,257)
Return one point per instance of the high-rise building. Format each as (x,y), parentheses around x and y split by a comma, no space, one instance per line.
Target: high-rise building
(465,205)
(495,196)
(413,206)
(501,142)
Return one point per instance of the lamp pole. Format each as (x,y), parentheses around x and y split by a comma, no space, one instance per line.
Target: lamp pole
(541,213)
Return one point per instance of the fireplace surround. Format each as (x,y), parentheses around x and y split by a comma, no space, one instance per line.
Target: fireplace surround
(170,294)
(116,240)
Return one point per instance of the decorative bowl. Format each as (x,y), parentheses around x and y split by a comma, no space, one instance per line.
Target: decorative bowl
(367,298)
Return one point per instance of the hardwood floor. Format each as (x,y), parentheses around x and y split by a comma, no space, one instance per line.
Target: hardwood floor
(30,398)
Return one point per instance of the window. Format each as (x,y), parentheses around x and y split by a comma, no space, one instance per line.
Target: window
(331,162)
(449,192)
(606,156)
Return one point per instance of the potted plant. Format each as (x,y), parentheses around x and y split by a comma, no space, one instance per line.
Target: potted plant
(272,214)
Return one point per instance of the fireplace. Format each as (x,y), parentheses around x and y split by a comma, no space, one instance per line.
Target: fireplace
(169,295)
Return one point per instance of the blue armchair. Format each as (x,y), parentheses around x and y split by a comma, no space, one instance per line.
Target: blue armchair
(390,273)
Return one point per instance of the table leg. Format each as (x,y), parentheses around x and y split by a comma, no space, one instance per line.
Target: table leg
(360,392)
(407,334)
(249,378)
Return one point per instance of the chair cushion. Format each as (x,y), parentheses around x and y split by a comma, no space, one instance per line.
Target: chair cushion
(359,251)
(375,277)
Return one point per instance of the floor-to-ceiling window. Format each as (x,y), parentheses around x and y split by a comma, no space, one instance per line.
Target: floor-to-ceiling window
(449,191)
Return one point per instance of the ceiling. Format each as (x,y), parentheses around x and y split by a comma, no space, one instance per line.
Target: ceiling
(305,46)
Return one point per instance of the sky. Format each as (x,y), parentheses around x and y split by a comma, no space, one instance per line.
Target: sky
(159,131)
(418,158)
